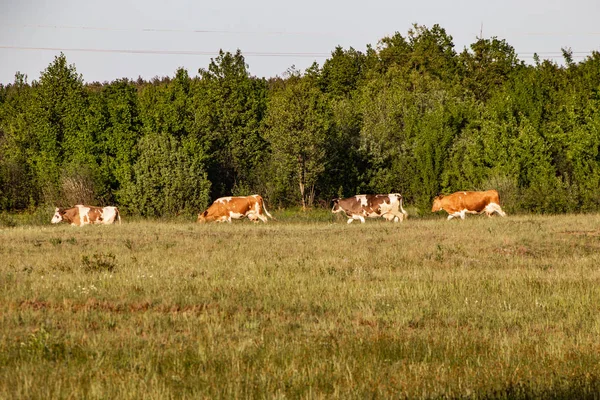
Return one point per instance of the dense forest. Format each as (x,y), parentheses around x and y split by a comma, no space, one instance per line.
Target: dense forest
(409,115)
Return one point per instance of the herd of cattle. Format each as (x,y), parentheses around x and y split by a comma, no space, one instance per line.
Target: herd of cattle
(359,207)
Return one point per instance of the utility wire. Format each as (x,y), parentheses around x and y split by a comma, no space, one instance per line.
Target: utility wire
(166,30)
(550,54)
(235,32)
(170,52)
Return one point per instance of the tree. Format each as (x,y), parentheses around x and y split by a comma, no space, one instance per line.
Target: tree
(228,106)
(342,72)
(165,105)
(62,137)
(297,126)
(488,66)
(17,182)
(424,51)
(115,112)
(169,177)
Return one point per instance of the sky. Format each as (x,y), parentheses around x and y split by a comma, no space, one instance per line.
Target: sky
(109,39)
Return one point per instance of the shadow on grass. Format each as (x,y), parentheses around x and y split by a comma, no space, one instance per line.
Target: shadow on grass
(579,387)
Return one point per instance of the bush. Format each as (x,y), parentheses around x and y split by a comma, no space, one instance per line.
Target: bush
(99,262)
(169,178)
(77,186)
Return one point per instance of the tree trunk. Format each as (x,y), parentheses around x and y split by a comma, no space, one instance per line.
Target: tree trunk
(311,195)
(301,180)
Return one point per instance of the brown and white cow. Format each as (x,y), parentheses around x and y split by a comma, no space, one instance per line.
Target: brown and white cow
(388,206)
(461,203)
(81,215)
(225,209)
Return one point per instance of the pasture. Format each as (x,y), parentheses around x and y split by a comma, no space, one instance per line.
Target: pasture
(480,308)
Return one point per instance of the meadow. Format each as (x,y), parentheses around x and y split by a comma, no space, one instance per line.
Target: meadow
(302,308)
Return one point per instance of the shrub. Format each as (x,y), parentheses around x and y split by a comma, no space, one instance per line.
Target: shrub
(99,262)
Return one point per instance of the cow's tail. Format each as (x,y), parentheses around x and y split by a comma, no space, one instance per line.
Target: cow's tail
(118,215)
(265,209)
(402,210)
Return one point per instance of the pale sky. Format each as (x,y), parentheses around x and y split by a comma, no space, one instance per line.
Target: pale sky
(108,40)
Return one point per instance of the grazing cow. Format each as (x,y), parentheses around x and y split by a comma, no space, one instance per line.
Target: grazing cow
(81,215)
(460,203)
(388,206)
(225,208)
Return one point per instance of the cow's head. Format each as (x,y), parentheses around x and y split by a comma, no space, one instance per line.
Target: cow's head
(206,217)
(336,206)
(437,203)
(202,217)
(58,215)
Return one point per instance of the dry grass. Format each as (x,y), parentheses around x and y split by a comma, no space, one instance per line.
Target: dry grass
(481,308)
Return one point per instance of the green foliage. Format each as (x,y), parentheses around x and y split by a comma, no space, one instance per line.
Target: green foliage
(43,345)
(488,66)
(169,177)
(228,106)
(297,126)
(341,74)
(345,163)
(59,108)
(99,262)
(117,110)
(409,115)
(18,188)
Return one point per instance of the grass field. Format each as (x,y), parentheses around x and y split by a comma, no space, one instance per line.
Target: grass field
(481,308)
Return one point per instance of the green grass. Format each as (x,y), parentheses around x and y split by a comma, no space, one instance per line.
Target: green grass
(301,308)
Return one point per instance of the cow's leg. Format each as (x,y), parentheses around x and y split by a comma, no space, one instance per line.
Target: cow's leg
(455,215)
(358,217)
(399,217)
(255,217)
(462,214)
(391,217)
(489,210)
(496,208)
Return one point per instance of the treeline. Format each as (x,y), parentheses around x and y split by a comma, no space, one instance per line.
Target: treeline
(410,115)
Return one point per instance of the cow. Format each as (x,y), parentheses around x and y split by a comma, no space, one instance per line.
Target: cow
(388,206)
(225,209)
(461,203)
(81,215)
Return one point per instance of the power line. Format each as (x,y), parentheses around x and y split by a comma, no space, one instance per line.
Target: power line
(228,31)
(169,52)
(556,53)
(547,54)
(167,30)
(526,55)
(557,33)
